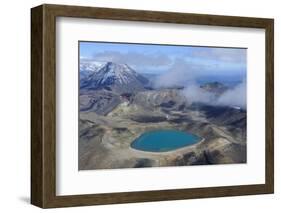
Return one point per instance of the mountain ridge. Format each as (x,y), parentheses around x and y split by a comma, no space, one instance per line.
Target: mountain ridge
(111,76)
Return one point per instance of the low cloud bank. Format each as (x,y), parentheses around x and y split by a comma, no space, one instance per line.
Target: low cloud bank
(185,74)
(234,97)
(193,93)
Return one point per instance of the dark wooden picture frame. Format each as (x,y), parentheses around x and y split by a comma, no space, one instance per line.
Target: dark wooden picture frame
(43,105)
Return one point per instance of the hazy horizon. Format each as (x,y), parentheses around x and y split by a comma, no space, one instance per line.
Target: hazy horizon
(161,59)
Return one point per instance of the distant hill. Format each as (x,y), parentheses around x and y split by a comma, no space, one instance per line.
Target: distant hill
(214,87)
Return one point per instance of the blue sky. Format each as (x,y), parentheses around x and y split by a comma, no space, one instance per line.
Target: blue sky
(160,59)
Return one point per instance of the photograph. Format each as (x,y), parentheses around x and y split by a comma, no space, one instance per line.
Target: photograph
(155,105)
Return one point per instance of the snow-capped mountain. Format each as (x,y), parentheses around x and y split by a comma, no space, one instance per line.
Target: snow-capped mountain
(88,67)
(110,76)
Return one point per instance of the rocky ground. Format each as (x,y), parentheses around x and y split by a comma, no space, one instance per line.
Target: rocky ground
(109,122)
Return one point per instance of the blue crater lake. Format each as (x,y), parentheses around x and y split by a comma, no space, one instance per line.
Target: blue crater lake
(164,140)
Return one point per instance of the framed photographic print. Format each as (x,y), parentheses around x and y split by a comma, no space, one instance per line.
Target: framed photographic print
(136,106)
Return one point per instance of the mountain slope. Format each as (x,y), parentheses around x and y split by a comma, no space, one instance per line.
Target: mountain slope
(89,67)
(111,76)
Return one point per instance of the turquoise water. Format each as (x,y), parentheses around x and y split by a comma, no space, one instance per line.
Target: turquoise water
(164,140)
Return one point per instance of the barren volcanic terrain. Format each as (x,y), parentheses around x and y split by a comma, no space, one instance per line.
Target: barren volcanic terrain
(117,106)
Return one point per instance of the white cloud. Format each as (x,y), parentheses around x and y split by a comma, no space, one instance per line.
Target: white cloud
(234,97)
(179,74)
(133,58)
(194,93)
